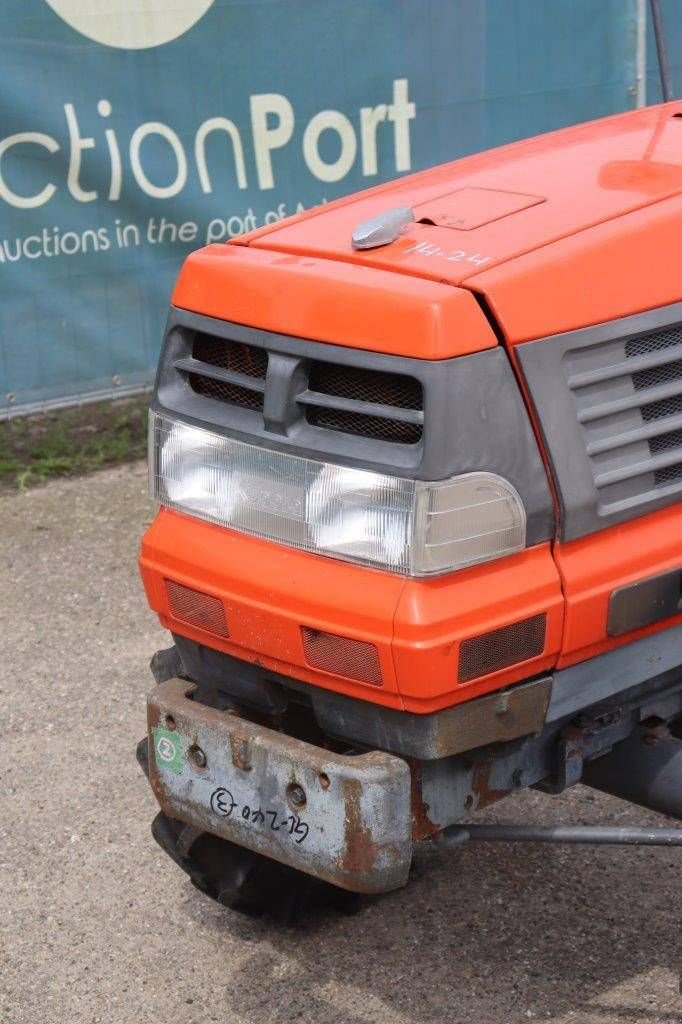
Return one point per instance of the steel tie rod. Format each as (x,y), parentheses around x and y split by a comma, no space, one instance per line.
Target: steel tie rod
(456,835)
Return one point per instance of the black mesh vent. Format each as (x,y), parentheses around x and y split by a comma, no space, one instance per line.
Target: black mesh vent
(365,426)
(659,410)
(617,424)
(229,355)
(666,442)
(224,392)
(659,446)
(657,375)
(669,475)
(392,390)
(502,648)
(652,377)
(645,344)
(201,610)
(366,385)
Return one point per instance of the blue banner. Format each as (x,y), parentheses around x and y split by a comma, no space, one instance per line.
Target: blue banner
(133,131)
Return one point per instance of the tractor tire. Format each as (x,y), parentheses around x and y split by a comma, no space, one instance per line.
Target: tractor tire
(246,881)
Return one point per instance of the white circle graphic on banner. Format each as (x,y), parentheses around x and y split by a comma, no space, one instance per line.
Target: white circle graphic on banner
(131,24)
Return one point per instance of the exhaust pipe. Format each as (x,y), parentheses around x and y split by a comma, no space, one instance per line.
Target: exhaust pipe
(645,769)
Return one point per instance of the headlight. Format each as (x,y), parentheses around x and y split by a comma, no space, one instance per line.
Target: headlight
(405,526)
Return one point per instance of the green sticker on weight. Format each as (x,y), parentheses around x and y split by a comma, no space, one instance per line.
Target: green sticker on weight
(169,750)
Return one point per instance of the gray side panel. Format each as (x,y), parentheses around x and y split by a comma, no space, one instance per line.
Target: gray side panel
(609,404)
(474,416)
(599,678)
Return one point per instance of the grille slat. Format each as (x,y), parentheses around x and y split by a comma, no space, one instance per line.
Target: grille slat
(628,397)
(650,395)
(629,472)
(217,373)
(632,365)
(363,408)
(646,433)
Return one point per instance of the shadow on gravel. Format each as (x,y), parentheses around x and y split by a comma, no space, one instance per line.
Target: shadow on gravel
(484,933)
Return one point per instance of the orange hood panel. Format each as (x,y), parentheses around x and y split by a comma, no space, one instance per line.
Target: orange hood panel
(487,209)
(340,303)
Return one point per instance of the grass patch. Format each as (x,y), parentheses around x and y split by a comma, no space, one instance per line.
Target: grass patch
(71,442)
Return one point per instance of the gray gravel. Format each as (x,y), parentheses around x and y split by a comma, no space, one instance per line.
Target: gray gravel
(99,926)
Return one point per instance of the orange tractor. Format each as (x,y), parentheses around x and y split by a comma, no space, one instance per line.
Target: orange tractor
(418,454)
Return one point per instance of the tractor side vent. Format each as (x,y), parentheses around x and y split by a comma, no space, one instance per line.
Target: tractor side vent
(367,403)
(341,655)
(197,609)
(229,371)
(628,394)
(502,648)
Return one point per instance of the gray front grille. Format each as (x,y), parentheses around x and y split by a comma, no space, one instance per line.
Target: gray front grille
(608,401)
(628,396)
(417,419)
(350,399)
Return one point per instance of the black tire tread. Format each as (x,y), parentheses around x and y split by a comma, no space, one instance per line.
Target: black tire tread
(246,881)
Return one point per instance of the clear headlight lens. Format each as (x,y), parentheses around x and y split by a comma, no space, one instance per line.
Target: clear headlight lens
(405,526)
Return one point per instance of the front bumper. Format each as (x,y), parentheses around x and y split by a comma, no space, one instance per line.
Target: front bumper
(344,819)
(270,592)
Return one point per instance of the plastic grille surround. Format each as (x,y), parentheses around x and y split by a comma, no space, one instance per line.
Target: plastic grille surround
(509,645)
(341,655)
(198,609)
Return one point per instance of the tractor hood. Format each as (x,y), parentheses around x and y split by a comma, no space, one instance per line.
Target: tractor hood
(481,211)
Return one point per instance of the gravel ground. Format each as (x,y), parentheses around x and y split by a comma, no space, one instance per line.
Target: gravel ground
(99,925)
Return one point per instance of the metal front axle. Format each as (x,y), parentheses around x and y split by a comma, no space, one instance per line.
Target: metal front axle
(456,835)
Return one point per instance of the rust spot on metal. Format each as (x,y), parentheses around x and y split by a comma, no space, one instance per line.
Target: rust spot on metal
(492,718)
(422,826)
(360,852)
(484,793)
(241,757)
(153,715)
